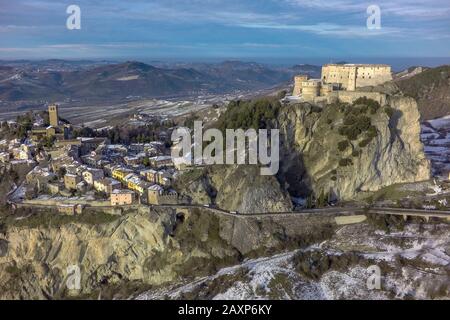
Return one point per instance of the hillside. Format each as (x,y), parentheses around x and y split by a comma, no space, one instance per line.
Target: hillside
(112,82)
(431,89)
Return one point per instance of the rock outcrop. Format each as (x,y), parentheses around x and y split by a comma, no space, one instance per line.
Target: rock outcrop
(238,188)
(312,162)
(141,250)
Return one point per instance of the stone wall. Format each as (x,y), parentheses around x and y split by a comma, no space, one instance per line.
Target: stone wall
(351,96)
(352,76)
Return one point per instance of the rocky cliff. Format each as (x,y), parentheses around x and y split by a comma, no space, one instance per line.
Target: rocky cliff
(343,149)
(141,250)
(236,188)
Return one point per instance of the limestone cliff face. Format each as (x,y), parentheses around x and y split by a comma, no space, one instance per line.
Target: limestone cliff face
(239,188)
(243,189)
(37,259)
(312,161)
(145,248)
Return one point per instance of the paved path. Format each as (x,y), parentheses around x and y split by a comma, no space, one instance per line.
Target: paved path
(344,211)
(332,210)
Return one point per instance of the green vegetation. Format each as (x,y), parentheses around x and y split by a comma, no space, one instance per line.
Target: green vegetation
(357,123)
(372,105)
(346,162)
(257,114)
(354,125)
(364,143)
(389,111)
(343,145)
(356,153)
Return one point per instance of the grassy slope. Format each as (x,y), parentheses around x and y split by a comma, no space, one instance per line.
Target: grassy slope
(431,89)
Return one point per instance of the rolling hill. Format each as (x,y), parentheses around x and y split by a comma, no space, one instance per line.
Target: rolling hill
(112,82)
(431,89)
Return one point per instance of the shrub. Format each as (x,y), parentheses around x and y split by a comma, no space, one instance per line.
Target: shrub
(356,153)
(372,132)
(343,145)
(355,124)
(345,162)
(257,114)
(364,143)
(389,111)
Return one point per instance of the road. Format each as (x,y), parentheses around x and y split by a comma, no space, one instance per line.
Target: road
(331,210)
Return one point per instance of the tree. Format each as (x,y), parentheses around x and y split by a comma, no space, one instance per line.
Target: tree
(61,172)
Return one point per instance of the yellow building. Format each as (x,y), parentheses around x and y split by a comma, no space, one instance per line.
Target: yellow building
(134,182)
(120,173)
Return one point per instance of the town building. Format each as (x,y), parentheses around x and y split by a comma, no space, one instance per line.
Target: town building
(156,195)
(161,161)
(120,197)
(71,181)
(120,173)
(107,185)
(150,175)
(92,175)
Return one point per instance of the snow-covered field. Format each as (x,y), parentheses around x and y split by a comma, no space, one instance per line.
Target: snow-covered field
(436,139)
(414,263)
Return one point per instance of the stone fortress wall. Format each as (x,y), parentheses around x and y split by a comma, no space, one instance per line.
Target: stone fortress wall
(339,82)
(352,76)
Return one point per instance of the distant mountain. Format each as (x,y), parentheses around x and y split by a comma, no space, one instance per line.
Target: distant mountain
(431,89)
(311,70)
(61,80)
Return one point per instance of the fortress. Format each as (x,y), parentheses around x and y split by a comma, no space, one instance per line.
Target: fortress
(340,81)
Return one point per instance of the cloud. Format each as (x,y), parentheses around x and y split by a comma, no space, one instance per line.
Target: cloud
(328,29)
(405,8)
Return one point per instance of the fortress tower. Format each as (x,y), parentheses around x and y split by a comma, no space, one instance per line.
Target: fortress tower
(298,84)
(53,115)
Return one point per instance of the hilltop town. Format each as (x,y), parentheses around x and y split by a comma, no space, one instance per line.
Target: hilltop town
(71,173)
(72,168)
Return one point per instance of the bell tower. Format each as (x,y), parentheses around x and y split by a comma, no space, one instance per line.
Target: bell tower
(53,115)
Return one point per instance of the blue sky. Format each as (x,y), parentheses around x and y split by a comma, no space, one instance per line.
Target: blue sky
(190,29)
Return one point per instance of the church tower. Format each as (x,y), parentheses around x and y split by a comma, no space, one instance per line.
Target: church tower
(53,115)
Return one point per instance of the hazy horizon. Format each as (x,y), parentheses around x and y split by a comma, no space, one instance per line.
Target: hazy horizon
(398,63)
(214,29)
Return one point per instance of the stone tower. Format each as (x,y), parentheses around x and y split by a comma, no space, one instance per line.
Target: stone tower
(298,84)
(53,115)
